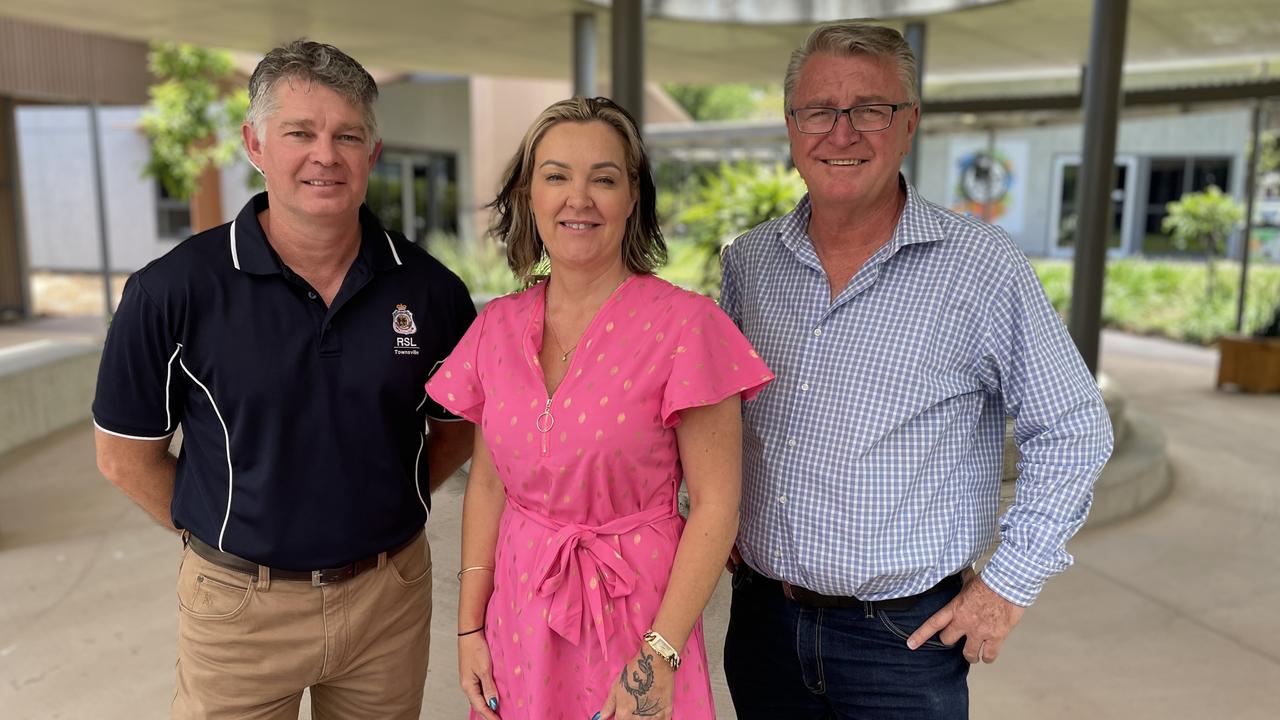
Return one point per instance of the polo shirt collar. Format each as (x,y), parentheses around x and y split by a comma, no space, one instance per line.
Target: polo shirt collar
(916,225)
(251,252)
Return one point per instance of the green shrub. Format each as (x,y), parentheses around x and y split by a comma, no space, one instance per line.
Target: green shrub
(482,264)
(1168,298)
(728,204)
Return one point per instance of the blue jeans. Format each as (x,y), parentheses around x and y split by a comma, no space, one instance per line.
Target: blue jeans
(785,660)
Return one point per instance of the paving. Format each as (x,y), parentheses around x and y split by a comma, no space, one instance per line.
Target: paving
(1169,614)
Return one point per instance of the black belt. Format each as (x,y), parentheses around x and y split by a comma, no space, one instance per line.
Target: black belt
(317,578)
(813,599)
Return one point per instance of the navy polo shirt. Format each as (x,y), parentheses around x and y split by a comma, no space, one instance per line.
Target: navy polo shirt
(303,425)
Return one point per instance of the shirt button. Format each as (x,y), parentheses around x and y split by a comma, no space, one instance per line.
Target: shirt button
(804,387)
(311,294)
(817,332)
(782,499)
(791,442)
(777,553)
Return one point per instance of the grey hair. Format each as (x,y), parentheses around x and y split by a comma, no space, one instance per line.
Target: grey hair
(310,62)
(852,39)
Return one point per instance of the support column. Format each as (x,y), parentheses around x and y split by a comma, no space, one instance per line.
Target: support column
(95,150)
(915,35)
(626,25)
(584,54)
(15,301)
(1101,111)
(1250,189)
(206,202)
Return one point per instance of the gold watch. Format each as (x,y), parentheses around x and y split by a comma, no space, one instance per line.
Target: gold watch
(663,649)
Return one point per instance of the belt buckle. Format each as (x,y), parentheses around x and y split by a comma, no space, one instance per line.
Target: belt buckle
(320,578)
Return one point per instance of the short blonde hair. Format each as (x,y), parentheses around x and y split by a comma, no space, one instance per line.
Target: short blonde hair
(851,39)
(643,248)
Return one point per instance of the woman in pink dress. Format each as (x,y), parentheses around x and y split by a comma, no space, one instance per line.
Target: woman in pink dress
(594,393)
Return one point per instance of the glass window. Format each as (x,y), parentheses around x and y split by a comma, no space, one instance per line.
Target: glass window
(422,184)
(1169,180)
(1067,214)
(173,216)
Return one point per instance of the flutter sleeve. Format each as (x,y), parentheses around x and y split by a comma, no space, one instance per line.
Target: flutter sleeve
(711,361)
(456,385)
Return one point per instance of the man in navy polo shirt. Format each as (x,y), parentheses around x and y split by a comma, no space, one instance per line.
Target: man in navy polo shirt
(292,346)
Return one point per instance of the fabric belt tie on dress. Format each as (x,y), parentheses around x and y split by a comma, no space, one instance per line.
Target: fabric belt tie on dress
(576,568)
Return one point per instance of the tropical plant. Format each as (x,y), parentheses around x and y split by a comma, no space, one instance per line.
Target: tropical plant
(194,117)
(731,202)
(482,264)
(1203,221)
(728,101)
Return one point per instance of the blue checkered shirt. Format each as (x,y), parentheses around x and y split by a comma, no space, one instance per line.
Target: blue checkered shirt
(871,465)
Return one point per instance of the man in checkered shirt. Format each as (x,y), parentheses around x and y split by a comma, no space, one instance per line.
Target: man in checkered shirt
(902,336)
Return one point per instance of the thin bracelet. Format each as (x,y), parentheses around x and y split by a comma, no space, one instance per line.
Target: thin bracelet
(466,570)
(471,632)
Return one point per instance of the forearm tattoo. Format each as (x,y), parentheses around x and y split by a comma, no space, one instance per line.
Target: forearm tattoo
(643,679)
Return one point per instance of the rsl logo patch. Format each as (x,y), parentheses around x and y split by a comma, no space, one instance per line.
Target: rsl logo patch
(402,323)
(402,320)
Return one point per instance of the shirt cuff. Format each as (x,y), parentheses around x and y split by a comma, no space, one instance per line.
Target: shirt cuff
(1014,578)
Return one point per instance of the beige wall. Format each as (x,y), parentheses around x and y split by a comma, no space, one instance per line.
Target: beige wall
(45,64)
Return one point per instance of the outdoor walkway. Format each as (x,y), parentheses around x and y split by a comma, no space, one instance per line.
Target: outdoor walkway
(1170,614)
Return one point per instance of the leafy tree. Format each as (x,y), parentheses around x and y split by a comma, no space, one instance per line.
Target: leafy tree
(194,117)
(732,202)
(733,101)
(1203,221)
(1269,152)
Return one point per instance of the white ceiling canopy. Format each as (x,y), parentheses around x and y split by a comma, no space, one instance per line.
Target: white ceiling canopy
(798,12)
(534,37)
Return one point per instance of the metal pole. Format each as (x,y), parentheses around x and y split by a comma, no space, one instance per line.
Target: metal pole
(991,187)
(1101,109)
(9,139)
(95,151)
(626,24)
(584,54)
(1250,189)
(915,35)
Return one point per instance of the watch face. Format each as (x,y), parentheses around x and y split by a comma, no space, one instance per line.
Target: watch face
(985,180)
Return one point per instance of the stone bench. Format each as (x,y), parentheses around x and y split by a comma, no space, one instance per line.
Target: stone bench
(45,386)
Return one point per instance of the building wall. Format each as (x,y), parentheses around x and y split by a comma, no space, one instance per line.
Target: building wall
(433,114)
(39,62)
(59,200)
(1213,132)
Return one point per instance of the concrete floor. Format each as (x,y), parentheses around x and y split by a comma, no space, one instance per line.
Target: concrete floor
(1170,614)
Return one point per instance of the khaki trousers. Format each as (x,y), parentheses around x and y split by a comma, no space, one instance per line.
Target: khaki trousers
(248,646)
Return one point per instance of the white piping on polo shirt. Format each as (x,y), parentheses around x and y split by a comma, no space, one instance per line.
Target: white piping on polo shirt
(227,437)
(130,437)
(417,465)
(392,245)
(168,413)
(235,256)
(168,380)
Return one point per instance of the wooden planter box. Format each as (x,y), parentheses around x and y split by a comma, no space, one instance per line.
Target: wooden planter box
(1251,364)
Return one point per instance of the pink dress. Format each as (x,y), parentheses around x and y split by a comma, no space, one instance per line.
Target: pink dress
(589,533)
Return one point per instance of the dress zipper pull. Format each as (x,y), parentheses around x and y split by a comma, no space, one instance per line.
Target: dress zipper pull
(545,422)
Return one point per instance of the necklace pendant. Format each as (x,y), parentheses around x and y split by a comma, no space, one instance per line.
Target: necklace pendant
(564,357)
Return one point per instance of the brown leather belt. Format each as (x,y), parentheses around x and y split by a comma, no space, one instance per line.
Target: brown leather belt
(804,596)
(317,578)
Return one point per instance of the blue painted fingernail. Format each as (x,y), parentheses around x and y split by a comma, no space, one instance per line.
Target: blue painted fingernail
(596,716)
(493,704)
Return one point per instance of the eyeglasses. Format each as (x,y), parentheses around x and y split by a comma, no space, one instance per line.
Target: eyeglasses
(863,118)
